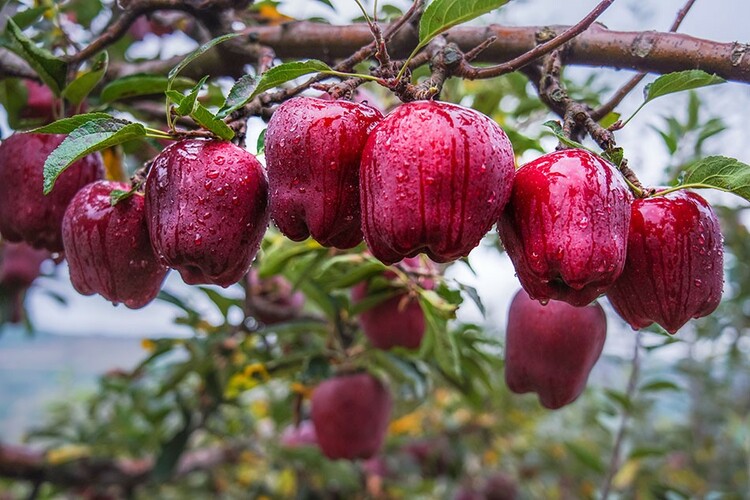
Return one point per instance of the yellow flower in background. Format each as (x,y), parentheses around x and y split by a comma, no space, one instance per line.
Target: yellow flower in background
(67,453)
(148,345)
(301,389)
(257,371)
(411,424)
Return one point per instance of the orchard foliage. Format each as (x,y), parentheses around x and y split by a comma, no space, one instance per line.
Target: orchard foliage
(339,366)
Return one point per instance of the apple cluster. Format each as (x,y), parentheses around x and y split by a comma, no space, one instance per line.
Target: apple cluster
(429,178)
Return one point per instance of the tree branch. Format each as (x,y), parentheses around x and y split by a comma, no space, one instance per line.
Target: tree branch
(649,51)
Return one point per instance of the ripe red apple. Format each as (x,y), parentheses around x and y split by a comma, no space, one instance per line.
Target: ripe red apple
(350,414)
(398,320)
(19,265)
(434,178)
(566,225)
(108,248)
(25,212)
(206,210)
(273,300)
(551,349)
(313,151)
(40,103)
(674,268)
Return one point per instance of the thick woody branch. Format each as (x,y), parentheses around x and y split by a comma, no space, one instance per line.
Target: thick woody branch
(648,51)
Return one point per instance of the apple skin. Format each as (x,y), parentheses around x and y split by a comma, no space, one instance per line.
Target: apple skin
(19,265)
(40,103)
(566,226)
(398,320)
(26,214)
(350,414)
(273,300)
(675,265)
(434,178)
(108,248)
(551,349)
(206,210)
(313,151)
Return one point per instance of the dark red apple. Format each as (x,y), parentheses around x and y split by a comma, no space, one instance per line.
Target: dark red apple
(206,210)
(566,225)
(551,349)
(26,214)
(350,414)
(434,178)
(398,320)
(313,151)
(273,300)
(19,265)
(108,248)
(675,265)
(40,103)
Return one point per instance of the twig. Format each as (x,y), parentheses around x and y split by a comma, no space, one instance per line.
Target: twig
(623,91)
(540,50)
(614,462)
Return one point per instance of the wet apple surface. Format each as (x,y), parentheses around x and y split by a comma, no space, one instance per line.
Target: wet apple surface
(674,268)
(313,151)
(206,209)
(434,178)
(565,227)
(26,214)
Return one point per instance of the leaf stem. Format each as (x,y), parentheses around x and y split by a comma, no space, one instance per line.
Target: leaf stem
(693,185)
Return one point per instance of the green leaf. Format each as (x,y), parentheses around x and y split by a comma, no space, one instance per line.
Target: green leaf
(286,72)
(586,457)
(199,52)
(27,17)
(260,146)
(118,195)
(620,398)
(678,82)
(171,451)
(92,136)
(82,86)
(201,115)
(615,156)
(609,119)
(209,121)
(141,84)
(238,96)
(442,15)
(557,129)
(67,125)
(187,105)
(52,70)
(720,172)
(222,303)
(659,385)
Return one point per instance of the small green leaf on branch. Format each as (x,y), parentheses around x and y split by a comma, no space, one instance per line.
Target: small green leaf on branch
(141,84)
(238,96)
(90,137)
(82,86)
(197,53)
(67,125)
(718,172)
(286,72)
(52,70)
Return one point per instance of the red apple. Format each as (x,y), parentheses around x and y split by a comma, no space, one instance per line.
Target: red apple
(26,214)
(551,349)
(566,225)
(206,210)
(108,248)
(434,178)
(273,300)
(674,268)
(19,265)
(40,103)
(350,414)
(398,320)
(313,151)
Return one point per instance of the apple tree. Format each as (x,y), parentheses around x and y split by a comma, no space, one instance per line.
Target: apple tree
(321,185)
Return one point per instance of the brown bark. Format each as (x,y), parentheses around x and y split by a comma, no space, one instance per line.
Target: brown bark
(649,51)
